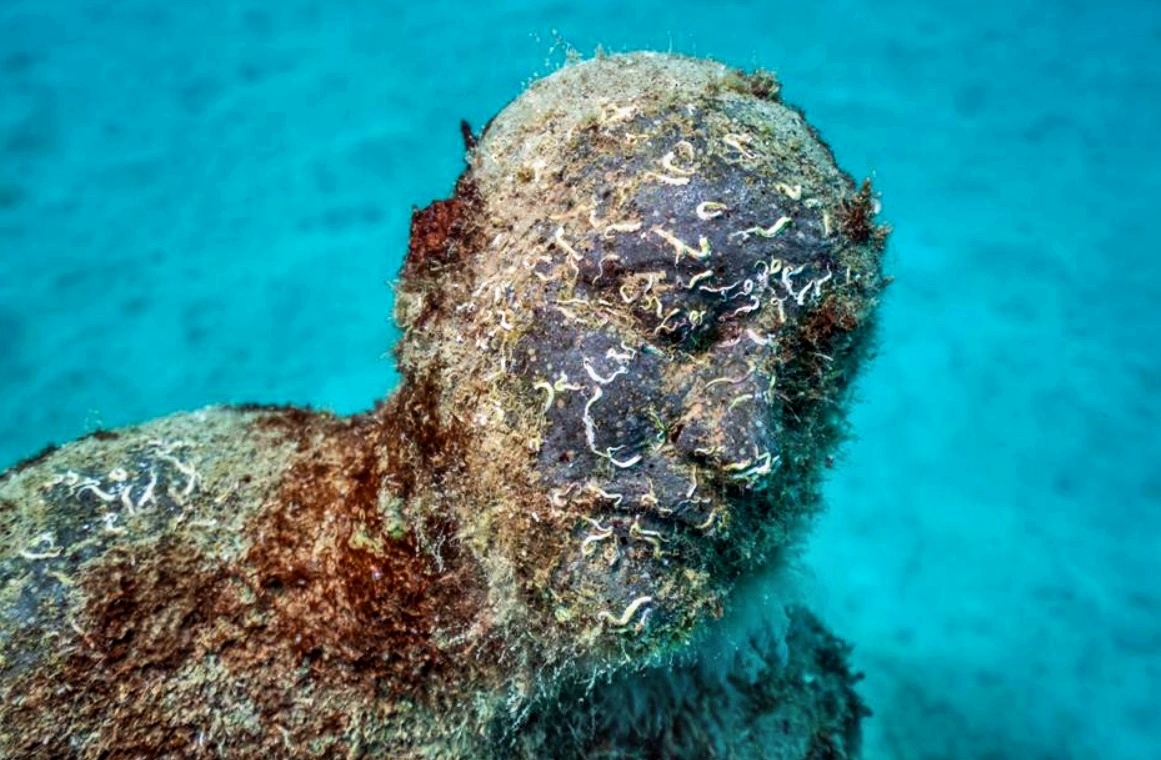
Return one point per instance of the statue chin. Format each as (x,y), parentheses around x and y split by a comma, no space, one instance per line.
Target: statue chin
(629,339)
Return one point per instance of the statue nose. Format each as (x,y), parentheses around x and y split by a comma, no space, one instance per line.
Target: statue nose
(730,429)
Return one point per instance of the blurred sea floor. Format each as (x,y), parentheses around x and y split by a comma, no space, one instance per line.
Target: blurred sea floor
(206,203)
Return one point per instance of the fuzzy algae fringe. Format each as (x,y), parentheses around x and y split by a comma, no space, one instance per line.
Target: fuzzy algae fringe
(629,342)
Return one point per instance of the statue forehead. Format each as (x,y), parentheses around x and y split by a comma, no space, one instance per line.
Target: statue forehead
(689,252)
(671,213)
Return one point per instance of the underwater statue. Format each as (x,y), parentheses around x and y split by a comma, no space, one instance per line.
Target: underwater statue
(629,339)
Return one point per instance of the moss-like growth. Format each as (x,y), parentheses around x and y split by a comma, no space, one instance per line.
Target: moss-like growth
(629,340)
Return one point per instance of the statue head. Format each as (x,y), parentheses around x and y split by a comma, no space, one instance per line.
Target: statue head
(633,330)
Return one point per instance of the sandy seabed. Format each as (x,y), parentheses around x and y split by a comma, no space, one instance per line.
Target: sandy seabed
(205,204)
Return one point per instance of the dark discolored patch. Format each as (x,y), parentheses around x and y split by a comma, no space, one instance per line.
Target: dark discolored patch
(144,608)
(560,353)
(760,83)
(434,445)
(287,419)
(340,599)
(839,711)
(764,84)
(828,322)
(470,139)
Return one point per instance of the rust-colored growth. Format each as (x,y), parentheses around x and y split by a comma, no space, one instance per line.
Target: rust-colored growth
(833,319)
(828,346)
(340,600)
(431,229)
(341,579)
(145,618)
(856,217)
(417,420)
(438,231)
(442,234)
(145,608)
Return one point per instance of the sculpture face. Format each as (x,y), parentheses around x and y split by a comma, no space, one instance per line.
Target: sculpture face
(657,344)
(659,368)
(661,299)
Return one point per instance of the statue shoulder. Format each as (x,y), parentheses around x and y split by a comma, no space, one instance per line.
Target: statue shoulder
(89,521)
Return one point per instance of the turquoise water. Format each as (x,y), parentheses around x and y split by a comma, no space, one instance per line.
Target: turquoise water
(205,204)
